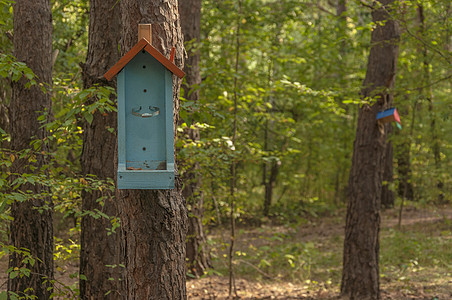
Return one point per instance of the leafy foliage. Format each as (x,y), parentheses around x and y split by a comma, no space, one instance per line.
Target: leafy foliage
(301,67)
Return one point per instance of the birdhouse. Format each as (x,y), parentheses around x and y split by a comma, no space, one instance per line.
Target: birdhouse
(145,116)
(389,115)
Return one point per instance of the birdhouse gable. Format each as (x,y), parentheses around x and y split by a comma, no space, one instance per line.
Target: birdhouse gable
(143,45)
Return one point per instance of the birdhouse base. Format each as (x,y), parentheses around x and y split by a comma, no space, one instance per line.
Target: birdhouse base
(137,179)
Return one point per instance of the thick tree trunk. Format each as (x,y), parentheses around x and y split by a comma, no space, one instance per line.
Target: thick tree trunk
(198,259)
(97,248)
(32,226)
(360,275)
(154,222)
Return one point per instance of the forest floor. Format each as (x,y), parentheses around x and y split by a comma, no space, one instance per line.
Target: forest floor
(409,267)
(303,261)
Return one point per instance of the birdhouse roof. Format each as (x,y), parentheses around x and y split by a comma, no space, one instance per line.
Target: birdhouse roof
(389,113)
(143,45)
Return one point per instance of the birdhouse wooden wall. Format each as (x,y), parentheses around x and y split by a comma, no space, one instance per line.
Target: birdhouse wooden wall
(145,125)
(145,116)
(389,115)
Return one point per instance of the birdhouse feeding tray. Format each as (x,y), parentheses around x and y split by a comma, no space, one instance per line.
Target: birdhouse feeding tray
(145,118)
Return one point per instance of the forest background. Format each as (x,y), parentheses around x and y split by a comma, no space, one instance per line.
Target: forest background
(290,73)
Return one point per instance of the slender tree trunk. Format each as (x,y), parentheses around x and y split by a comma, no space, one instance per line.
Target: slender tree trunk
(32,226)
(431,105)
(360,275)
(341,15)
(403,153)
(154,222)
(97,248)
(405,188)
(387,194)
(232,287)
(269,185)
(269,169)
(198,258)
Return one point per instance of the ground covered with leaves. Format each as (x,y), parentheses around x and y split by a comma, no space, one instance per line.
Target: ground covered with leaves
(303,260)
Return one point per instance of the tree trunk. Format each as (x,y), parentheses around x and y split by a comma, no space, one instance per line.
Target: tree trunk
(435,148)
(269,184)
(403,153)
(32,226)
(97,248)
(198,259)
(154,222)
(360,275)
(270,168)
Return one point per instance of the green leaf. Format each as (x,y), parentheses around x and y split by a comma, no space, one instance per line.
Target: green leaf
(13,274)
(89,117)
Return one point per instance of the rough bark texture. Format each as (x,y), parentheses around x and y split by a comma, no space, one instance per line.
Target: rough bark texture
(360,276)
(98,249)
(198,259)
(31,229)
(154,222)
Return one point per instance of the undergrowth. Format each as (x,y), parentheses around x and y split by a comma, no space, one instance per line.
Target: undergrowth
(418,254)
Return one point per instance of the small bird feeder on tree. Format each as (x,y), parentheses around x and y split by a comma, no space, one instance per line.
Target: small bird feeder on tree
(389,115)
(145,116)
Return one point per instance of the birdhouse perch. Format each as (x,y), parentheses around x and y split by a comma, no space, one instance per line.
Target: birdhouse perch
(145,116)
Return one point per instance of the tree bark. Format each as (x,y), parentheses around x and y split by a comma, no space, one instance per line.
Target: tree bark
(360,275)
(198,259)
(97,248)
(32,226)
(154,222)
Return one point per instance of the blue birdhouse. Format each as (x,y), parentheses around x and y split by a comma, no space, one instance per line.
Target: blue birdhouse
(145,118)
(389,115)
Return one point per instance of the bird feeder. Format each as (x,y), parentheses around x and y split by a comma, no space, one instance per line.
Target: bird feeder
(145,116)
(389,115)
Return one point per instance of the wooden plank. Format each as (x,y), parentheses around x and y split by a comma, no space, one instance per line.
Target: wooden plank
(169,117)
(145,88)
(143,179)
(173,52)
(144,32)
(125,59)
(121,119)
